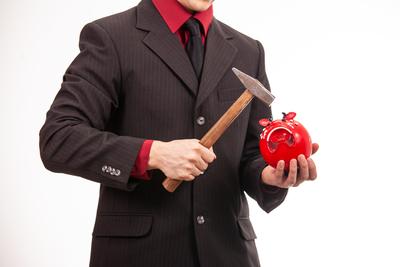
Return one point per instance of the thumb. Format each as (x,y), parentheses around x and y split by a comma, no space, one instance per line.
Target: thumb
(212,150)
(315,148)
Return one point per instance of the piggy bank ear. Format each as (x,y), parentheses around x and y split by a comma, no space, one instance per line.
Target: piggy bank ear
(290,116)
(264,122)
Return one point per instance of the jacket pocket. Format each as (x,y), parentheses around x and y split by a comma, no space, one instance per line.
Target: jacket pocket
(122,225)
(231,94)
(246,229)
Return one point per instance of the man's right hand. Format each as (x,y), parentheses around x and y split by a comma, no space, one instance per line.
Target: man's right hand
(180,159)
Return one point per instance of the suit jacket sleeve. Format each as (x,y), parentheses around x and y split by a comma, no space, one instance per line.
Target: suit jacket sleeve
(74,139)
(268,197)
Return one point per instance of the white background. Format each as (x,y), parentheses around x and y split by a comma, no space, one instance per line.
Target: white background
(335,63)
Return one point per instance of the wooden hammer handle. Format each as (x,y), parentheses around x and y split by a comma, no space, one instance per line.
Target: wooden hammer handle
(216,131)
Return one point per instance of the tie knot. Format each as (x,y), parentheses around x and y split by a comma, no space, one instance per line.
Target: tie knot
(193,26)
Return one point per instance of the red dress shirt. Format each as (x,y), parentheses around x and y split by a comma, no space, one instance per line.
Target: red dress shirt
(174,15)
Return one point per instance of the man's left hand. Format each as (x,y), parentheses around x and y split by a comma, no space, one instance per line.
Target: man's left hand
(296,175)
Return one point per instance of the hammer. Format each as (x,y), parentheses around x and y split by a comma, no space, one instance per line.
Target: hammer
(254,89)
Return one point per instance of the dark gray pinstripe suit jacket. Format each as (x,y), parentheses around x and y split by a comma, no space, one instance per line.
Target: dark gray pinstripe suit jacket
(133,81)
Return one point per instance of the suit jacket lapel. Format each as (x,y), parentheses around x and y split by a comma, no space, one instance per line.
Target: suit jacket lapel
(219,56)
(165,44)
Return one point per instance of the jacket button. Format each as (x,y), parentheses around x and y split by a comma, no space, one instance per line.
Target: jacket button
(201,120)
(200,219)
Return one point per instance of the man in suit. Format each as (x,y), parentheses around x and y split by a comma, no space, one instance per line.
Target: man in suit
(147,85)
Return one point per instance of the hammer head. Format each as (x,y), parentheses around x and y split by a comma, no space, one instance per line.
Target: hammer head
(255,87)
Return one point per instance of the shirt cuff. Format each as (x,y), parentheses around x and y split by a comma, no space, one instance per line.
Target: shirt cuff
(139,169)
(271,189)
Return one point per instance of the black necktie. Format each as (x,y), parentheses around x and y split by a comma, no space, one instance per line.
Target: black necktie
(194,47)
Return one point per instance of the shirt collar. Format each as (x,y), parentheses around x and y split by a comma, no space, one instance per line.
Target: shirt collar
(175,15)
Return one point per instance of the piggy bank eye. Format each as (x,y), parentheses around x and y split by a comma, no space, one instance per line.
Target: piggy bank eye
(272,146)
(290,140)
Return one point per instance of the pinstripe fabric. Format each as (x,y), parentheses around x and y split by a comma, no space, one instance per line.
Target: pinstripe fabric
(133,81)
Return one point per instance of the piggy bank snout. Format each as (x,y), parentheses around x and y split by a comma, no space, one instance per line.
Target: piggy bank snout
(279,136)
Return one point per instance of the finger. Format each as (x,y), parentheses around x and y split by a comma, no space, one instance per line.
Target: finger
(312,168)
(196,171)
(201,165)
(315,148)
(292,175)
(207,154)
(304,172)
(298,181)
(212,149)
(189,177)
(279,170)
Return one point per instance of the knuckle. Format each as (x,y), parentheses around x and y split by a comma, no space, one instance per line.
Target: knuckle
(186,177)
(192,157)
(205,166)
(189,155)
(303,173)
(184,172)
(189,177)
(187,167)
(181,175)
(210,159)
(303,164)
(197,146)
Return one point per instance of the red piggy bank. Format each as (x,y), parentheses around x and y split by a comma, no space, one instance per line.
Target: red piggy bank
(284,139)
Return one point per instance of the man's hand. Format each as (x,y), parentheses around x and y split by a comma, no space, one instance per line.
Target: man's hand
(180,159)
(306,171)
